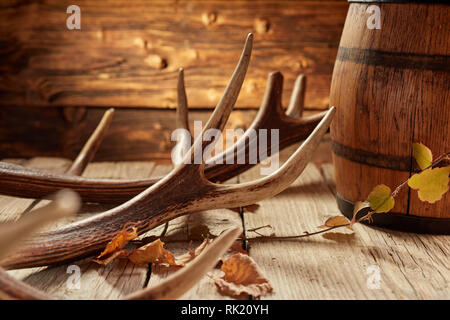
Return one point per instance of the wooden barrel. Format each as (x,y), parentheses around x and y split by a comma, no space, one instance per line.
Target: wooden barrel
(391,88)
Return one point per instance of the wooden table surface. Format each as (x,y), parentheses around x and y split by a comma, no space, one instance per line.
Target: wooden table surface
(335,265)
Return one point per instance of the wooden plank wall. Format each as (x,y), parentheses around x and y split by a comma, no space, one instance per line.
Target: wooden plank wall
(54,81)
(127,52)
(134,134)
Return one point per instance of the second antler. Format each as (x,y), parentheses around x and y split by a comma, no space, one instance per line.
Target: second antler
(25,182)
(184,190)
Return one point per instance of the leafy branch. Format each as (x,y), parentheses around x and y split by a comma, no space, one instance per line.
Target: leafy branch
(431,182)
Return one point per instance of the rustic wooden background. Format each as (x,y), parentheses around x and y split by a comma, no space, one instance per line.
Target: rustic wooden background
(127,54)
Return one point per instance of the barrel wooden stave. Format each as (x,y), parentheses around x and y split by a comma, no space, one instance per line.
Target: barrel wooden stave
(391,88)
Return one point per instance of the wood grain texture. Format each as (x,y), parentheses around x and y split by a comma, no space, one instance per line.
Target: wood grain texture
(391,88)
(134,134)
(331,266)
(127,53)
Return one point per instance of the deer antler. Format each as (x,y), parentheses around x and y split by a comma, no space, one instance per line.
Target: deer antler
(65,203)
(182,134)
(150,208)
(184,190)
(171,288)
(297,103)
(19,181)
(87,153)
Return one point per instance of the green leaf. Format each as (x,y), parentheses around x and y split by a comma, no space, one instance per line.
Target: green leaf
(380,199)
(431,184)
(423,155)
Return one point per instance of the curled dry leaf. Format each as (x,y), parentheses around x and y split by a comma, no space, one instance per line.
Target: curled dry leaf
(335,222)
(360,205)
(189,256)
(242,276)
(153,252)
(237,247)
(114,248)
(200,232)
(110,257)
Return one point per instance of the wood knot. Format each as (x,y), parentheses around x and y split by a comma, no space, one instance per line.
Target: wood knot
(261,25)
(140,42)
(155,61)
(209,18)
(74,115)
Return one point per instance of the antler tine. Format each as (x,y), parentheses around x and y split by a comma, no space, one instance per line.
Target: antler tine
(254,191)
(270,116)
(223,109)
(182,107)
(176,194)
(226,103)
(89,150)
(297,102)
(65,203)
(12,288)
(87,153)
(171,288)
(182,134)
(181,281)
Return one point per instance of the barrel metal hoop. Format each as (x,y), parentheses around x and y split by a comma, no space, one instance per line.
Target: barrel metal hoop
(398,221)
(372,159)
(398,60)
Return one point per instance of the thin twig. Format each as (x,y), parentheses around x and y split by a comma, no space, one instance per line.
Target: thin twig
(307,234)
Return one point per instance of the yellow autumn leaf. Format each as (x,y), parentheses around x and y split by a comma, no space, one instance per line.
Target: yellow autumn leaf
(335,222)
(423,155)
(431,184)
(380,199)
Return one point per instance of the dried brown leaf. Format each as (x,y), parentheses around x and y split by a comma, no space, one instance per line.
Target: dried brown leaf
(189,256)
(114,248)
(359,205)
(107,259)
(242,276)
(200,232)
(153,252)
(237,246)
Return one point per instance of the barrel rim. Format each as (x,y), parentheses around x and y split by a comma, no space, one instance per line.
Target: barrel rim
(398,221)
